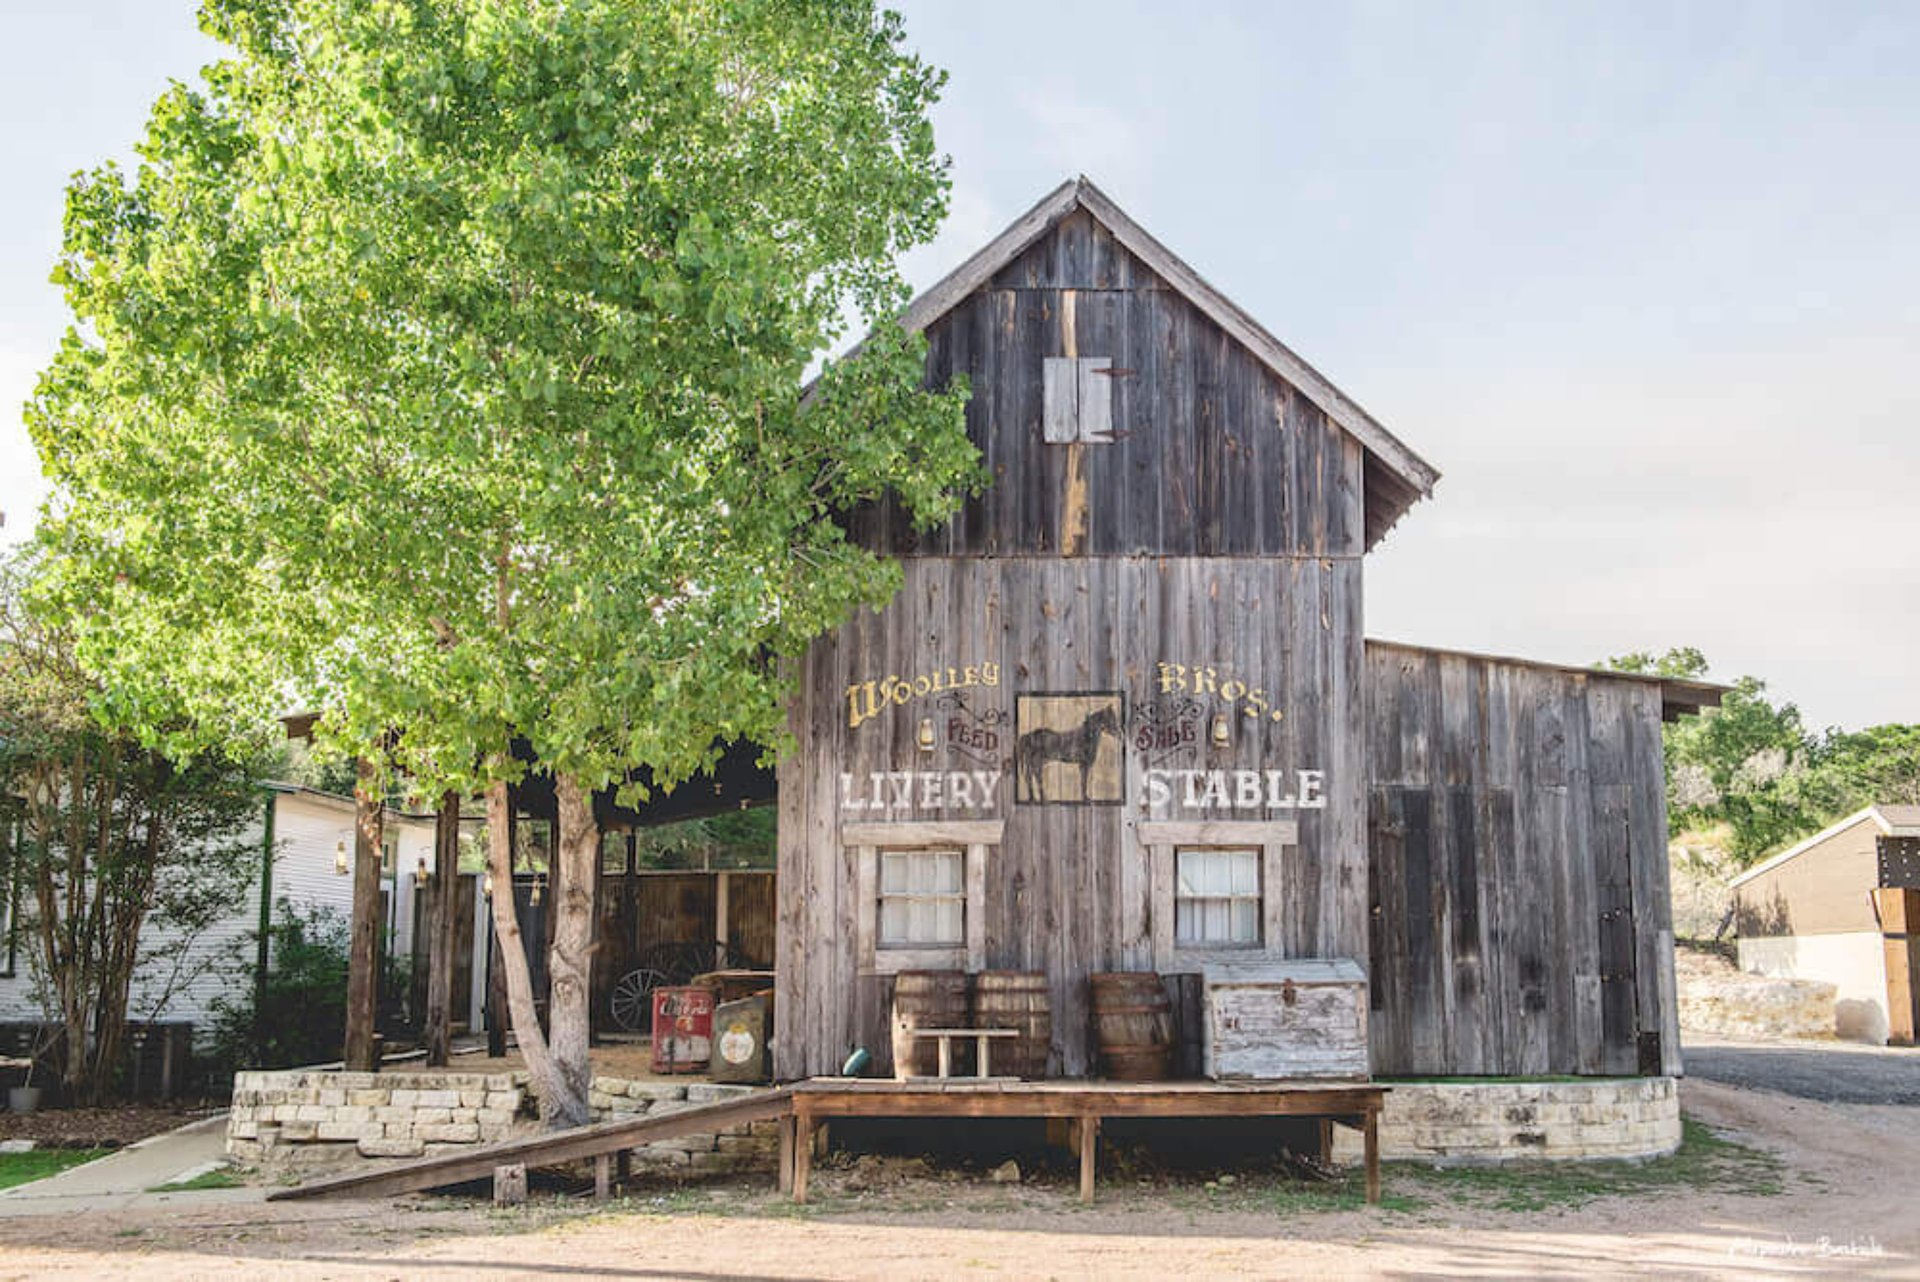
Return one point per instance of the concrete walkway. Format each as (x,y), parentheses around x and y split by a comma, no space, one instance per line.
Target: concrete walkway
(123,1179)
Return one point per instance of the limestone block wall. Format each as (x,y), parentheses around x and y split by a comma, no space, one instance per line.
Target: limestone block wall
(1498,1121)
(316,1116)
(754,1147)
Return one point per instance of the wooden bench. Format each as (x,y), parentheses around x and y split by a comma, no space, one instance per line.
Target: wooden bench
(982,1038)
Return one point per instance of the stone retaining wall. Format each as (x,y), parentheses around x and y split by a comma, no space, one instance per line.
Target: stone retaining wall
(753,1147)
(1497,1121)
(315,1116)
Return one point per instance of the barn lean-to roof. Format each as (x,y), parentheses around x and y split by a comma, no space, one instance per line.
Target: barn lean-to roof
(1395,477)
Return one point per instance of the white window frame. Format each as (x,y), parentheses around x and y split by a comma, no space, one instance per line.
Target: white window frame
(866,841)
(1163,839)
(1231,899)
(958,895)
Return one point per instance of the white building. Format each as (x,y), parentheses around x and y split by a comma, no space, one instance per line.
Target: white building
(306,863)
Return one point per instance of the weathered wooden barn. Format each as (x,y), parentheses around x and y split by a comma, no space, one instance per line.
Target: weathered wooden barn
(1123,714)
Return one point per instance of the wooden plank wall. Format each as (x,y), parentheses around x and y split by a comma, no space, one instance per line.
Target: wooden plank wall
(1516,823)
(1068,890)
(1213,455)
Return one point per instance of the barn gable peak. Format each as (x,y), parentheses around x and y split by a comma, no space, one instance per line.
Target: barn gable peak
(1395,477)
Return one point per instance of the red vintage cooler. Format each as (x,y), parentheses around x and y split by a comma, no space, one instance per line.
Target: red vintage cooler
(682,1029)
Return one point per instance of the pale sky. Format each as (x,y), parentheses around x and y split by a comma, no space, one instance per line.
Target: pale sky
(1641,280)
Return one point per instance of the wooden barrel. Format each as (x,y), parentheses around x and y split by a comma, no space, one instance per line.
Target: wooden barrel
(1133,1025)
(925,999)
(1015,999)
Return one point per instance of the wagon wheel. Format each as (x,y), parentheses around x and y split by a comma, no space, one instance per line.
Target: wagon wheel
(632,1000)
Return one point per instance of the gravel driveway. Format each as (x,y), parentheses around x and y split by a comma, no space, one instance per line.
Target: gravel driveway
(1831,1072)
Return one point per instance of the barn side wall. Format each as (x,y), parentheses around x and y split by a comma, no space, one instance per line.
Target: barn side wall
(1070,888)
(1516,822)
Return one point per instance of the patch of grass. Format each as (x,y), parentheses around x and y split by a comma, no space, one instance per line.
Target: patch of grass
(223,1177)
(25,1168)
(1492,1081)
(1705,1161)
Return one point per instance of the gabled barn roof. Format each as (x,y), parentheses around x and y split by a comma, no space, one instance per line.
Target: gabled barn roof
(1396,478)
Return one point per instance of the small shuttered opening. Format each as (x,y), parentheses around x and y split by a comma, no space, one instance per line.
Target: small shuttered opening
(1078,401)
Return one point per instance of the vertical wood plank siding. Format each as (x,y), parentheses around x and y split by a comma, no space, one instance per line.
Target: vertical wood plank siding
(1213,455)
(1067,890)
(1518,869)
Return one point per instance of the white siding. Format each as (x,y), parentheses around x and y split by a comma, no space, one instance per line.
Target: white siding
(1856,962)
(307,830)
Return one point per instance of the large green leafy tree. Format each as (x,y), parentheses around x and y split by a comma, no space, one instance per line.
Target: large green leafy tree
(439,369)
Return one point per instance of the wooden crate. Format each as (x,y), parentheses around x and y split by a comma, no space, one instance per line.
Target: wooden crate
(1274,1020)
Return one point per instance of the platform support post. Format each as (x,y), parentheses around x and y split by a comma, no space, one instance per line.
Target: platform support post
(787,1150)
(1373,1155)
(1089,1149)
(802,1155)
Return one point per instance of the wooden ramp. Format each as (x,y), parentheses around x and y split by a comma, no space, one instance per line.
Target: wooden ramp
(600,1142)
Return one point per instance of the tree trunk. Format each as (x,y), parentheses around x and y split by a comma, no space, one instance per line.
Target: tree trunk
(363,957)
(570,964)
(562,1094)
(440,928)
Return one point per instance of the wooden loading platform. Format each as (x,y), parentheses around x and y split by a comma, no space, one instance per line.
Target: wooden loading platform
(804,1107)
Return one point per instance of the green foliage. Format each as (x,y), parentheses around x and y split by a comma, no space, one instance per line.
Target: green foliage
(126,856)
(440,365)
(737,839)
(1755,766)
(299,1016)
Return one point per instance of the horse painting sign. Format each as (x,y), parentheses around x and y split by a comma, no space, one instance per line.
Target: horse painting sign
(1069,748)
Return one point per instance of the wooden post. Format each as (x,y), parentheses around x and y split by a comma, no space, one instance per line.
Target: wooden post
(1326,1140)
(510,1184)
(802,1154)
(440,930)
(720,912)
(496,964)
(602,1177)
(1373,1155)
(1089,1150)
(363,958)
(787,1149)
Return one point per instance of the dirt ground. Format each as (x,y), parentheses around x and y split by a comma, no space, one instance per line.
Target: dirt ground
(94,1127)
(1842,1202)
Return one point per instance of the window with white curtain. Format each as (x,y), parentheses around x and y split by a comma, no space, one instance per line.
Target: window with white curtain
(923,898)
(1216,898)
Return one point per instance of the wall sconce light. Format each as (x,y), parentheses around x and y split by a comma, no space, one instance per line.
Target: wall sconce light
(420,874)
(533,894)
(486,884)
(340,857)
(925,735)
(1219,733)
